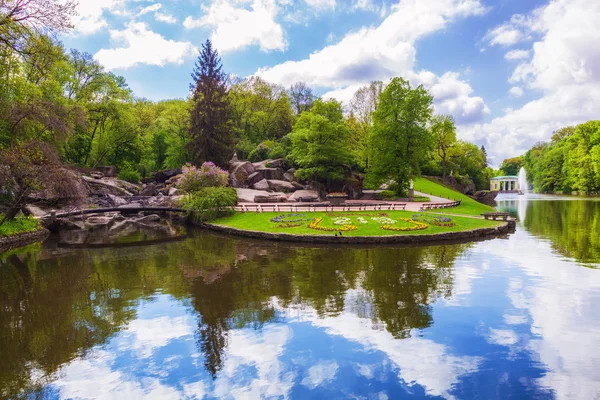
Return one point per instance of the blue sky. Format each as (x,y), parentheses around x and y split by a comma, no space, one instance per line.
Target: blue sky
(510,72)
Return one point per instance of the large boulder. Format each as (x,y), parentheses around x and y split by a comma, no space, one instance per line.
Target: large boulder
(164,175)
(247,195)
(254,178)
(271,173)
(149,190)
(110,171)
(485,197)
(265,197)
(304,196)
(289,175)
(281,186)
(240,172)
(98,222)
(261,185)
(279,163)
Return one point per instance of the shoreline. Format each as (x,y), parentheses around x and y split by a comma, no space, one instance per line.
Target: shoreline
(503,229)
(23,239)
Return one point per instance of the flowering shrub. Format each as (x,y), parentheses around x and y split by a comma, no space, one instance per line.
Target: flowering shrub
(339,214)
(344,228)
(417,226)
(208,175)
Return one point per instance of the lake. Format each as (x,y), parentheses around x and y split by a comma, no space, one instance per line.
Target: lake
(211,316)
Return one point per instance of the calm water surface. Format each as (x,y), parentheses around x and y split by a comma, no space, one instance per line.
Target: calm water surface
(215,317)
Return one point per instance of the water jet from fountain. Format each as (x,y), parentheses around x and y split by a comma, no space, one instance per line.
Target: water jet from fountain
(523,186)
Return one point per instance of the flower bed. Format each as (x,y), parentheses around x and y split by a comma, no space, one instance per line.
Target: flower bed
(417,226)
(344,228)
(436,220)
(290,218)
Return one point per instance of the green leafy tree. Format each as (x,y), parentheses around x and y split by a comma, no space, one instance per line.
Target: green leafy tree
(362,106)
(319,143)
(261,110)
(444,134)
(210,123)
(511,166)
(400,141)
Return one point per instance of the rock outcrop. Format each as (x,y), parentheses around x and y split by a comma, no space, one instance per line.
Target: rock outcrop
(304,196)
(281,186)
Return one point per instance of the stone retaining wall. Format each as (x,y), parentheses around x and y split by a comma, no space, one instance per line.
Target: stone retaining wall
(504,229)
(22,239)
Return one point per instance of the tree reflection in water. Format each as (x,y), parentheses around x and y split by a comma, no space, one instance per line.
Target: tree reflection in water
(56,304)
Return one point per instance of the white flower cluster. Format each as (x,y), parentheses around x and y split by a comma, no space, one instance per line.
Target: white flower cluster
(383,220)
(362,220)
(342,221)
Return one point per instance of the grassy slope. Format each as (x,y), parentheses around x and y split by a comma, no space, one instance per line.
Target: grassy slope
(19,225)
(261,222)
(468,206)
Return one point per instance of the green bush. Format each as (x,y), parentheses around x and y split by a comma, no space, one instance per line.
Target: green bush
(278,151)
(129,174)
(18,225)
(388,195)
(210,203)
(243,149)
(261,152)
(421,199)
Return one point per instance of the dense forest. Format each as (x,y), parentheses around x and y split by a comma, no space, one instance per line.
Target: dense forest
(570,162)
(59,107)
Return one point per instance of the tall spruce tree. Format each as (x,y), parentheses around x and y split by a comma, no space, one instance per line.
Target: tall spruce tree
(211,119)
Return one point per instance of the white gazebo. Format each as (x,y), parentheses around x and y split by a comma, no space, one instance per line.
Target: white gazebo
(508,183)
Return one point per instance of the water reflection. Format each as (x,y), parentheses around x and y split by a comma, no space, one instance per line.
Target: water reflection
(571,226)
(216,317)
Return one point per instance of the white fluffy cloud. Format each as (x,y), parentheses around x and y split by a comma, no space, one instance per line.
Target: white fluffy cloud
(517,54)
(166,18)
(152,8)
(321,4)
(140,45)
(90,18)
(564,68)
(516,91)
(236,26)
(385,51)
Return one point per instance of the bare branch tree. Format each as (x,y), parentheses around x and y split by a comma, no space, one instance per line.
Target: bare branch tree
(19,19)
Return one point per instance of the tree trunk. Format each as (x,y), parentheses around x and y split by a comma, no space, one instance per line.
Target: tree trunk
(444,170)
(10,214)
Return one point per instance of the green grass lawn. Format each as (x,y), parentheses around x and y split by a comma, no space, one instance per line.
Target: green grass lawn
(468,206)
(19,225)
(262,222)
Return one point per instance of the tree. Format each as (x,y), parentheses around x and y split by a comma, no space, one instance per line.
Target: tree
(511,166)
(320,143)
(211,125)
(22,19)
(261,110)
(400,140)
(484,151)
(301,97)
(362,106)
(30,167)
(444,134)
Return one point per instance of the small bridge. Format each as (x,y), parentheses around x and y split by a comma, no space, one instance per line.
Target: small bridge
(127,210)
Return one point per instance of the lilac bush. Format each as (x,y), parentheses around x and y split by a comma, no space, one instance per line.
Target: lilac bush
(208,175)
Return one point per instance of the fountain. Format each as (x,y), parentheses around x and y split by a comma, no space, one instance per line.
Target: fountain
(523,185)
